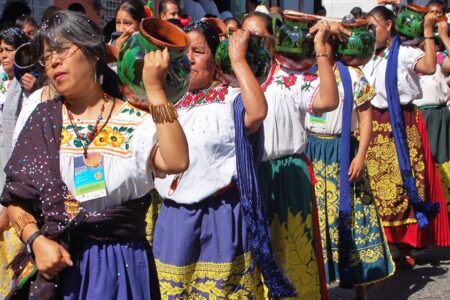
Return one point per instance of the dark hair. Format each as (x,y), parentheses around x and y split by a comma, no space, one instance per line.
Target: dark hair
(356,12)
(77,7)
(319,8)
(228,20)
(176,22)
(26,19)
(265,17)
(48,12)
(108,29)
(209,32)
(14,36)
(134,8)
(163,5)
(437,3)
(386,14)
(79,29)
(12,11)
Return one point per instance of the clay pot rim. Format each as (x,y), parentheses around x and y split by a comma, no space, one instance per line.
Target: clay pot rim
(159,24)
(417,8)
(358,23)
(305,17)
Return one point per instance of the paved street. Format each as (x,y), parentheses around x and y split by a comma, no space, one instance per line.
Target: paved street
(429,280)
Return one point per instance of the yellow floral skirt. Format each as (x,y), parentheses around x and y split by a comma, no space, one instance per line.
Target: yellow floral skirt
(9,247)
(370,260)
(288,197)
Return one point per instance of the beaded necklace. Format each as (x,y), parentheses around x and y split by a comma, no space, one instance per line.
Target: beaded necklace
(87,138)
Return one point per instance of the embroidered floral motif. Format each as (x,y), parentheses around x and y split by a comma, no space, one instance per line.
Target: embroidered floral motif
(115,137)
(308,79)
(206,280)
(66,136)
(295,253)
(386,181)
(284,81)
(215,94)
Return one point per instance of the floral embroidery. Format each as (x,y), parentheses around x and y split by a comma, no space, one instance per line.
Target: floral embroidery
(215,94)
(295,252)
(286,81)
(239,279)
(115,138)
(386,181)
(65,136)
(308,79)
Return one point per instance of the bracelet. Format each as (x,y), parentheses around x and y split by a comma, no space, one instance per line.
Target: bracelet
(31,239)
(323,54)
(163,113)
(21,222)
(428,37)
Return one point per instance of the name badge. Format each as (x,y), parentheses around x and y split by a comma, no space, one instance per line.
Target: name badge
(89,177)
(318,121)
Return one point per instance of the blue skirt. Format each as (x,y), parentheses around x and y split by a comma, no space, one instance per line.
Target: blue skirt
(111,271)
(201,251)
(370,259)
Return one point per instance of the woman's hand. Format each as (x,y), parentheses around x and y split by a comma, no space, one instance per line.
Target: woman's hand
(322,31)
(4,219)
(356,169)
(156,66)
(29,82)
(442,29)
(51,258)
(428,24)
(237,46)
(122,38)
(337,29)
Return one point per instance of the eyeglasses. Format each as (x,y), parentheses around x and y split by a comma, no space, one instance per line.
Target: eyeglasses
(62,52)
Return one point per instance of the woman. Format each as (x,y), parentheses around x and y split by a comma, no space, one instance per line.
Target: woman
(28,24)
(327,147)
(128,19)
(285,177)
(10,40)
(204,215)
(405,199)
(82,214)
(432,104)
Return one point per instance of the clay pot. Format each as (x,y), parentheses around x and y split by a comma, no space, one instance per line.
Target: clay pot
(294,45)
(258,58)
(409,22)
(155,34)
(356,49)
(26,60)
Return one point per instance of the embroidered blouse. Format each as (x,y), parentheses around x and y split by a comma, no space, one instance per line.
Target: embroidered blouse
(330,123)
(289,96)
(408,81)
(207,121)
(125,143)
(435,90)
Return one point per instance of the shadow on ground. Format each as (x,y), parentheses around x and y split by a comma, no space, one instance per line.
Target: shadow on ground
(429,280)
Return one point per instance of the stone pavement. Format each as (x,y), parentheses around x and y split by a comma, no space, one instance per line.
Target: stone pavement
(429,280)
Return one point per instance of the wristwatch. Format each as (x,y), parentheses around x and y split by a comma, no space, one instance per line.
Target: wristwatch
(31,239)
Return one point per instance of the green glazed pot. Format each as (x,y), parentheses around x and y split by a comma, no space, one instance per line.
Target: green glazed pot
(356,49)
(409,22)
(155,34)
(294,45)
(258,58)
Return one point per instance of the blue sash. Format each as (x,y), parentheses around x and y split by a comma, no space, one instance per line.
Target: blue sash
(423,210)
(252,207)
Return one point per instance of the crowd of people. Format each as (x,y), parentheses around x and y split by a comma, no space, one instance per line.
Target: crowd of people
(324,172)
